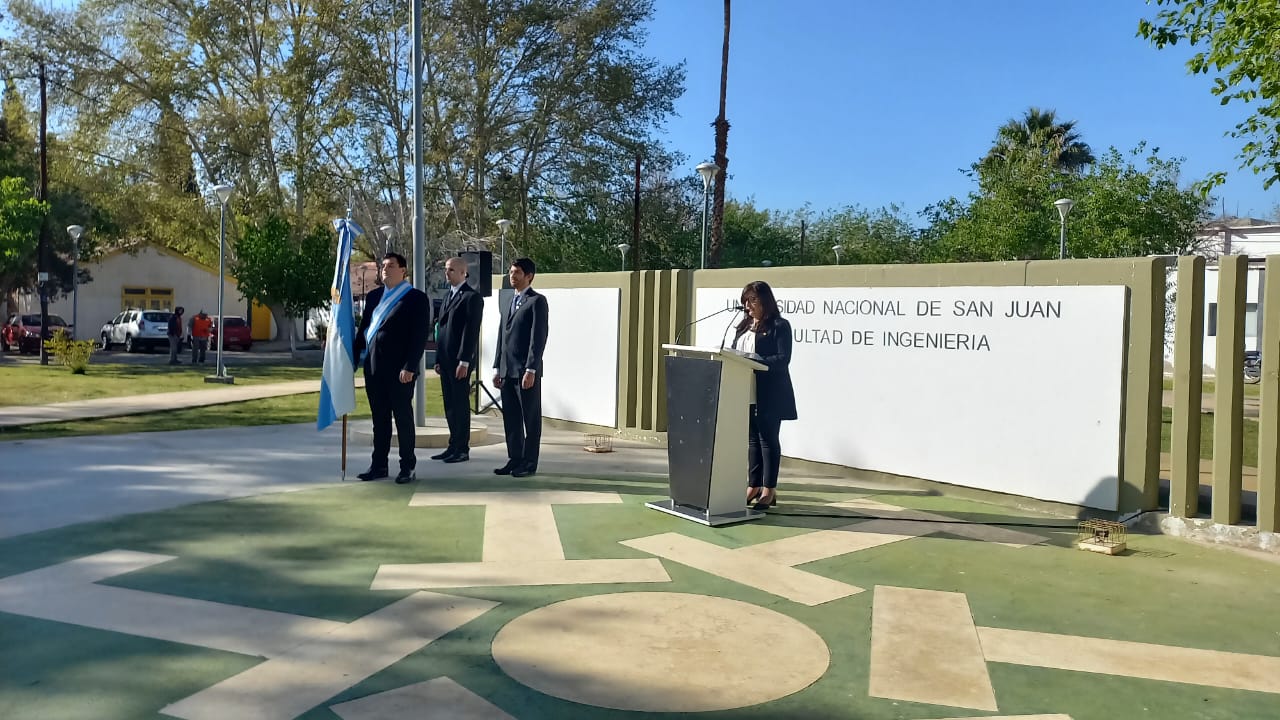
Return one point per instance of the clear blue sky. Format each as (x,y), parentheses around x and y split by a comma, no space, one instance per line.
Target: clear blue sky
(836,102)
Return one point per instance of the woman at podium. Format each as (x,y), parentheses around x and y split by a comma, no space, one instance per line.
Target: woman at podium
(765,334)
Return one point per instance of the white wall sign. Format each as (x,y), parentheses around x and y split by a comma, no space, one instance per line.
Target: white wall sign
(580,383)
(1011,389)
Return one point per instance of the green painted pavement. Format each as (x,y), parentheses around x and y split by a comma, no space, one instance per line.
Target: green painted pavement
(314,553)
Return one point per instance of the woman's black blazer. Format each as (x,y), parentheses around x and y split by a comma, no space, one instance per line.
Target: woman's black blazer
(775,396)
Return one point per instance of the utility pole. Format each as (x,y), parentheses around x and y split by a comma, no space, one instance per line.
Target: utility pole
(42,260)
(635,218)
(802,241)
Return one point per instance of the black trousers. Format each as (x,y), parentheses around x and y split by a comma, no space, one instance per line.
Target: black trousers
(764,454)
(387,399)
(457,408)
(522,421)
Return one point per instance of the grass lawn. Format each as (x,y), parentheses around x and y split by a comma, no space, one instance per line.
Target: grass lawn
(1209,387)
(45,384)
(269,411)
(1206,437)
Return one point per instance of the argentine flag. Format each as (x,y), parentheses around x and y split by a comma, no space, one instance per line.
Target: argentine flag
(338,381)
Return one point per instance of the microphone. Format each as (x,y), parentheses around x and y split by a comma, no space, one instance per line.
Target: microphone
(724,335)
(735,307)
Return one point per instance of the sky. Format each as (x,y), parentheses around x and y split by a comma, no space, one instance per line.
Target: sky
(871,103)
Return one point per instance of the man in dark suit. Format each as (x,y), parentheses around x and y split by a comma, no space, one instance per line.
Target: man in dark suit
(518,371)
(457,337)
(389,346)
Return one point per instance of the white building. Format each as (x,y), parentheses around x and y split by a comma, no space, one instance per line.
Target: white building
(146,277)
(1234,237)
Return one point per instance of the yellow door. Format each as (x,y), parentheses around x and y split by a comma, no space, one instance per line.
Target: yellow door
(261,323)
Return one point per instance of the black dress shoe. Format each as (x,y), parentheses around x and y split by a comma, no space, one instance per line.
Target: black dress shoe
(460,457)
(507,469)
(525,471)
(372,474)
(442,456)
(405,476)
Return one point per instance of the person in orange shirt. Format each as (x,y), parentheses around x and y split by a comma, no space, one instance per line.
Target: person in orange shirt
(201,326)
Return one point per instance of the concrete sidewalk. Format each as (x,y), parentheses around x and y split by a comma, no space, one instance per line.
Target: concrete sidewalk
(137,404)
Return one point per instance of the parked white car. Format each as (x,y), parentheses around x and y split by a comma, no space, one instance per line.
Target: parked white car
(137,330)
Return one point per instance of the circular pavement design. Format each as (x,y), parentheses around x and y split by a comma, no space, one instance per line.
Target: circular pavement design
(661,652)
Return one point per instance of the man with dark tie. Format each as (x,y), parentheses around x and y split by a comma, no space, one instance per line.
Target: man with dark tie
(518,371)
(457,337)
(389,344)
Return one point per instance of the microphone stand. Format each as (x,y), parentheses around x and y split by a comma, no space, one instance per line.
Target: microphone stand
(724,335)
(735,307)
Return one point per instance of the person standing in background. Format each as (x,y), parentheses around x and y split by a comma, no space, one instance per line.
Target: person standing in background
(518,371)
(389,346)
(457,340)
(201,325)
(175,335)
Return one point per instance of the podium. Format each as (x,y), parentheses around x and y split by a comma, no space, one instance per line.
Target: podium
(709,395)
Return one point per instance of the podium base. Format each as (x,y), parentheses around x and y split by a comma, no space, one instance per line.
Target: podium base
(702,517)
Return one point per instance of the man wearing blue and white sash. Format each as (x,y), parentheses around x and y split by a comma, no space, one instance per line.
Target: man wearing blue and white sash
(389,346)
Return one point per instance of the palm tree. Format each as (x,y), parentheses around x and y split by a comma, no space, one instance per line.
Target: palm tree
(722,142)
(1039,140)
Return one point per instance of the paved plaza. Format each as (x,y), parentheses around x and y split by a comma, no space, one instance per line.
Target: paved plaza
(233,574)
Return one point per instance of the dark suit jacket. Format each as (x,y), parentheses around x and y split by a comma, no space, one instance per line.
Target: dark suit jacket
(775,396)
(458,328)
(522,337)
(401,339)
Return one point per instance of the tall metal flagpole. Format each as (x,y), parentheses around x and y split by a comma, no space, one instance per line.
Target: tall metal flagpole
(419,219)
(332,320)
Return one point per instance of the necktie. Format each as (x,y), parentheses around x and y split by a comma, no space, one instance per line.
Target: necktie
(515,302)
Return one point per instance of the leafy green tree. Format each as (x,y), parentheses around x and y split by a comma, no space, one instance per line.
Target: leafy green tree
(753,237)
(304,106)
(1037,140)
(17,138)
(289,276)
(20,216)
(879,236)
(1240,45)
(1127,204)
(581,232)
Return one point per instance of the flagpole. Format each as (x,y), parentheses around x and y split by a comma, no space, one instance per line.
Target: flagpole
(337,381)
(419,206)
(344,415)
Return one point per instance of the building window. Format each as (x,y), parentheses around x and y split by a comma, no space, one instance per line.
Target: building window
(1250,320)
(143,298)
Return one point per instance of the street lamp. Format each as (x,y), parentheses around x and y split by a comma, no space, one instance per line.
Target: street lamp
(503,225)
(623,248)
(224,194)
(1064,209)
(75,231)
(387,232)
(836,249)
(708,172)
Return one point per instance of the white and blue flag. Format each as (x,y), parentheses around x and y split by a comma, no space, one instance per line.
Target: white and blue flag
(338,381)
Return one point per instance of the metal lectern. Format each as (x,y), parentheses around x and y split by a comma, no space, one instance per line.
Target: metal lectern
(709,393)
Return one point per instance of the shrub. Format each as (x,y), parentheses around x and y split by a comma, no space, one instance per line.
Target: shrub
(70,353)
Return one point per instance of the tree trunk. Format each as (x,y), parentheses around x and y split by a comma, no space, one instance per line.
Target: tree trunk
(722,142)
(285,324)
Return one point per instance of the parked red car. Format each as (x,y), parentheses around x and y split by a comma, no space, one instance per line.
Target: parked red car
(23,332)
(237,333)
